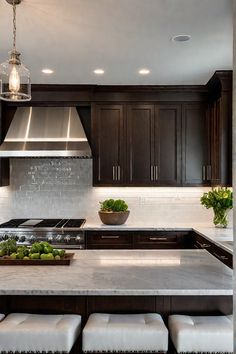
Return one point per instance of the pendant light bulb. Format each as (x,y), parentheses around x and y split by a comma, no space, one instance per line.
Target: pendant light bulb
(14,80)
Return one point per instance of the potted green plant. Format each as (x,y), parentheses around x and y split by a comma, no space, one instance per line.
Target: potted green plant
(221,200)
(113,212)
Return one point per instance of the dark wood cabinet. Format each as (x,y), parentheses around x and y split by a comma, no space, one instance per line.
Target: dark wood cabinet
(140,144)
(221,254)
(194,145)
(109,144)
(107,239)
(220,128)
(167,144)
(137,144)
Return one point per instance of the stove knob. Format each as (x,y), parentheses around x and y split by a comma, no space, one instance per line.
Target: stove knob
(14,237)
(32,239)
(50,239)
(58,238)
(22,239)
(5,237)
(67,238)
(78,239)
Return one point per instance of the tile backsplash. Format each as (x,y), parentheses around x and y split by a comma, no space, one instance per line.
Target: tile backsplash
(59,188)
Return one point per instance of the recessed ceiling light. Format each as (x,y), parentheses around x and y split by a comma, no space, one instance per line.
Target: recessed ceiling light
(47,71)
(181,38)
(144,71)
(98,71)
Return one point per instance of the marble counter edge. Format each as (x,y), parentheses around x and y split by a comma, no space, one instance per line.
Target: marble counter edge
(120,292)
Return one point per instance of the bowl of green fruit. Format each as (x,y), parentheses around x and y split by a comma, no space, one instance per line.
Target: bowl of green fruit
(40,253)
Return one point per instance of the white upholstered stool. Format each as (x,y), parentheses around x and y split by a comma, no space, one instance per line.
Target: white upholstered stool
(23,332)
(198,334)
(125,333)
(1,317)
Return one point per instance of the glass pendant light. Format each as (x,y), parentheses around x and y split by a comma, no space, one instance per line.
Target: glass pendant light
(15,83)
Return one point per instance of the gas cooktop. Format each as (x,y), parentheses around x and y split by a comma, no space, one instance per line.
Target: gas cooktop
(63,233)
(43,223)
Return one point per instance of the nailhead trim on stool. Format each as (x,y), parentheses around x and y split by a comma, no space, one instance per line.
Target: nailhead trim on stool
(32,333)
(142,333)
(202,334)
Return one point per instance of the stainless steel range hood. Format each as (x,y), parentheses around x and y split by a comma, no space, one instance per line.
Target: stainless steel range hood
(46,132)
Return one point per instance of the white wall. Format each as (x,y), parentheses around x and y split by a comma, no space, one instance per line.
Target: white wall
(63,188)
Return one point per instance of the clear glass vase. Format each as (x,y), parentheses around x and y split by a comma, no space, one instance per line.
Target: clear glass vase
(221,218)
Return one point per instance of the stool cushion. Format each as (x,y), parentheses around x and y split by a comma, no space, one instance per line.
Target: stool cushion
(198,334)
(1,317)
(125,333)
(23,332)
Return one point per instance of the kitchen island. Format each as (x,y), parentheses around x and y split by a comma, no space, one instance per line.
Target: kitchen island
(164,281)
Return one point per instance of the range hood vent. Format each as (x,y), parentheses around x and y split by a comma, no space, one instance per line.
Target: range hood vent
(46,132)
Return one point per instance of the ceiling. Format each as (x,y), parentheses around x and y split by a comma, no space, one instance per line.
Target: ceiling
(74,37)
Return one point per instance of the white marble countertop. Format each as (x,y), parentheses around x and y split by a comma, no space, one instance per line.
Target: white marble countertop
(221,237)
(123,272)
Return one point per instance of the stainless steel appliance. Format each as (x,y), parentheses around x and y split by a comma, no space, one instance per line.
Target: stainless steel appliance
(61,233)
(46,132)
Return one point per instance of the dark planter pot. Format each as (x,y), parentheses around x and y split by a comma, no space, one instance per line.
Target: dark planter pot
(113,218)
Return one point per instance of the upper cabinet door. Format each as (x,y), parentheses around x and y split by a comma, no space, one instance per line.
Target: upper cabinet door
(168,144)
(109,141)
(194,145)
(140,144)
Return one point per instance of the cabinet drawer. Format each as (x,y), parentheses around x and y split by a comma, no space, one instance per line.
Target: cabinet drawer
(156,240)
(222,255)
(109,238)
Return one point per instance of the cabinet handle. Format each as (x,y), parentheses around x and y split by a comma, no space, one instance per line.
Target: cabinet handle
(152,174)
(203,245)
(113,173)
(223,258)
(118,172)
(203,173)
(156,173)
(110,237)
(158,238)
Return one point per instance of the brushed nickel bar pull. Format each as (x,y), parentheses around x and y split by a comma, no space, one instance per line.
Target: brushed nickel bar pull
(203,245)
(158,238)
(156,173)
(113,173)
(203,173)
(224,258)
(152,170)
(110,237)
(118,168)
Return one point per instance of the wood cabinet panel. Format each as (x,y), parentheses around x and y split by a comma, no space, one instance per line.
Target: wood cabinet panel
(140,148)
(168,144)
(194,145)
(108,135)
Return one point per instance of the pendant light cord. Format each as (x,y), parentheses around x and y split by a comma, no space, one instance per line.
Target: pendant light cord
(14,25)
